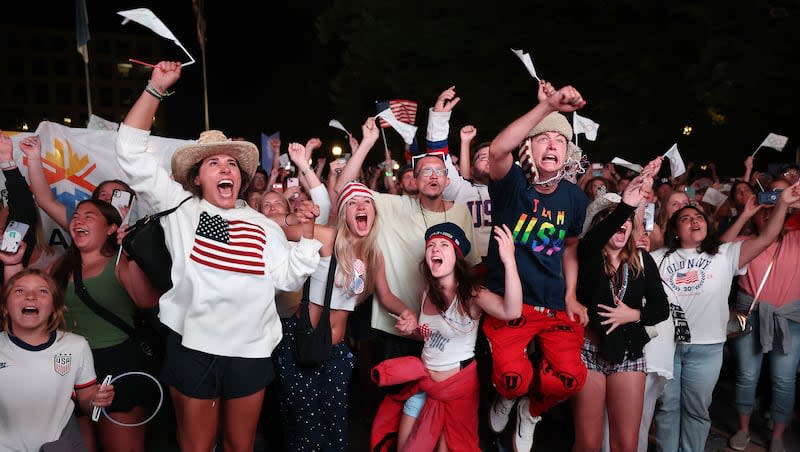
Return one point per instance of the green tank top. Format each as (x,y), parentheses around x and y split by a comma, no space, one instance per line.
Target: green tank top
(107,292)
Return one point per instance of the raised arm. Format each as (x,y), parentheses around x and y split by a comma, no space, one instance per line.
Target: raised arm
(733,231)
(508,307)
(467,134)
(565,100)
(353,167)
(754,246)
(164,75)
(45,198)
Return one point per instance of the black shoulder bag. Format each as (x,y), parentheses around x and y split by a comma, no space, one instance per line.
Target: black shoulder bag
(146,335)
(313,345)
(144,244)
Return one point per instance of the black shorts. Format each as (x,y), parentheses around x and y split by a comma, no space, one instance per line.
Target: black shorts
(202,375)
(131,391)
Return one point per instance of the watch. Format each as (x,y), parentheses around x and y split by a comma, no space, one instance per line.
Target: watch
(9,164)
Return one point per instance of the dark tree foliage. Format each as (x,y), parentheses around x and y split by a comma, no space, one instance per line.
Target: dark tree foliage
(646,68)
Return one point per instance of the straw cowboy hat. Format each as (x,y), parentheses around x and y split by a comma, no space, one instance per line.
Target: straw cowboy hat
(212,142)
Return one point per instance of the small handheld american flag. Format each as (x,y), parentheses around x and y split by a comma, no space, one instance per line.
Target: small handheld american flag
(404,110)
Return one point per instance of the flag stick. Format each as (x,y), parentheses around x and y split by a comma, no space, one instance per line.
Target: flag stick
(383,133)
(88,88)
(759,185)
(134,60)
(754,152)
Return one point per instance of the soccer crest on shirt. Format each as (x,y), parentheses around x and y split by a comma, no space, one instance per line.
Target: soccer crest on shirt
(62,363)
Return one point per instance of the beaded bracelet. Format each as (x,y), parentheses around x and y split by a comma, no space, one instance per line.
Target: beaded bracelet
(158,94)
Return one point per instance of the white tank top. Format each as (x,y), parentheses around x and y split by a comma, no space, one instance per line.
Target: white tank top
(449,337)
(341,298)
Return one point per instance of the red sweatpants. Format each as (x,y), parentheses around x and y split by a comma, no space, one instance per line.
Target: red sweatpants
(561,372)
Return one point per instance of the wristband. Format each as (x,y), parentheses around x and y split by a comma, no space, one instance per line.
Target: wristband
(9,164)
(303,173)
(158,94)
(388,174)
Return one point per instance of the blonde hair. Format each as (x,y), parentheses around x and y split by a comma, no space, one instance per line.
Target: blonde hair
(346,247)
(56,321)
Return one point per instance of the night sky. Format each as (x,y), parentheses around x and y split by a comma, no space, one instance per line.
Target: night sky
(645,71)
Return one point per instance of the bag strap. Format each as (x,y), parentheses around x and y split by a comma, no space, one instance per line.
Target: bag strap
(328,288)
(761,286)
(156,216)
(83,294)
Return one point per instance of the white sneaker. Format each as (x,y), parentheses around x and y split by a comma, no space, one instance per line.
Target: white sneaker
(526,424)
(499,413)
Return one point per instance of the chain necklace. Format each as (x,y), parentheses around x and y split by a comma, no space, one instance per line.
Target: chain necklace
(617,296)
(425,218)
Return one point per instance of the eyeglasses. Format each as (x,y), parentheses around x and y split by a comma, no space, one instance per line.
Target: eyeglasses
(428,172)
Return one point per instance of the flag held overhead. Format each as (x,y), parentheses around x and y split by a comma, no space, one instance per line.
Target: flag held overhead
(407,131)
(145,17)
(676,165)
(338,125)
(626,164)
(584,125)
(774,141)
(526,60)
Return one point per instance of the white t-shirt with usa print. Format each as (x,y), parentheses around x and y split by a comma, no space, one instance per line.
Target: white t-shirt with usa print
(700,284)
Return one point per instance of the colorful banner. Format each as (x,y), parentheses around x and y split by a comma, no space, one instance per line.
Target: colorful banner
(76,160)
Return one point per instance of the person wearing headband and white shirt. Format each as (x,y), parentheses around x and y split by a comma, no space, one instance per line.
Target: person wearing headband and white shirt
(402,231)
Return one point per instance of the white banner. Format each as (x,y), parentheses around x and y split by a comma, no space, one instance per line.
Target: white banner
(75,161)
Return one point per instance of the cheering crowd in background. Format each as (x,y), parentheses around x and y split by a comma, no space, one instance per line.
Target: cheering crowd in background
(498,279)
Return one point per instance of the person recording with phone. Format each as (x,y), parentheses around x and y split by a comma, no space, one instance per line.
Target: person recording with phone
(775,321)
(22,211)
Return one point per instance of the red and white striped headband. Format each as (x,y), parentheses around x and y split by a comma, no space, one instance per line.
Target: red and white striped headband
(350,191)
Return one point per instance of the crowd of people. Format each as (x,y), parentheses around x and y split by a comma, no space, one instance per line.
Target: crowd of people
(606,289)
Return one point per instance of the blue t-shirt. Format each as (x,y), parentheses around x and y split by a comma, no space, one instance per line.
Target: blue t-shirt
(539,223)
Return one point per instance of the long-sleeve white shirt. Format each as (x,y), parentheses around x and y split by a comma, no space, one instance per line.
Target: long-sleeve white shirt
(225,268)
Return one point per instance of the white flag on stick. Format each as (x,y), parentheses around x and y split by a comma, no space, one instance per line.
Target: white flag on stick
(407,131)
(584,125)
(338,125)
(676,165)
(146,17)
(714,197)
(626,164)
(526,60)
(774,141)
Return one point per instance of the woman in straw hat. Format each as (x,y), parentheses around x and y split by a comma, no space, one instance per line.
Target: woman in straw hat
(228,260)
(618,313)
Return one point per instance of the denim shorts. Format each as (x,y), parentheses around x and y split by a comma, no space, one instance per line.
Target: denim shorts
(414,404)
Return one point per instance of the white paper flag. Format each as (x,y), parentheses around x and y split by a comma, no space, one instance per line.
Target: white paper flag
(338,125)
(714,197)
(584,125)
(146,17)
(407,131)
(284,161)
(775,141)
(526,60)
(676,165)
(626,164)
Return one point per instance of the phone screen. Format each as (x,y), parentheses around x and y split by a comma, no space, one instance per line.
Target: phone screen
(292,182)
(649,217)
(13,235)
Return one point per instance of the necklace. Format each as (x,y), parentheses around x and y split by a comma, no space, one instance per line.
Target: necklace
(618,295)
(425,217)
(548,181)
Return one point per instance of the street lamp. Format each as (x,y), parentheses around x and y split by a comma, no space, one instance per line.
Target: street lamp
(336,151)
